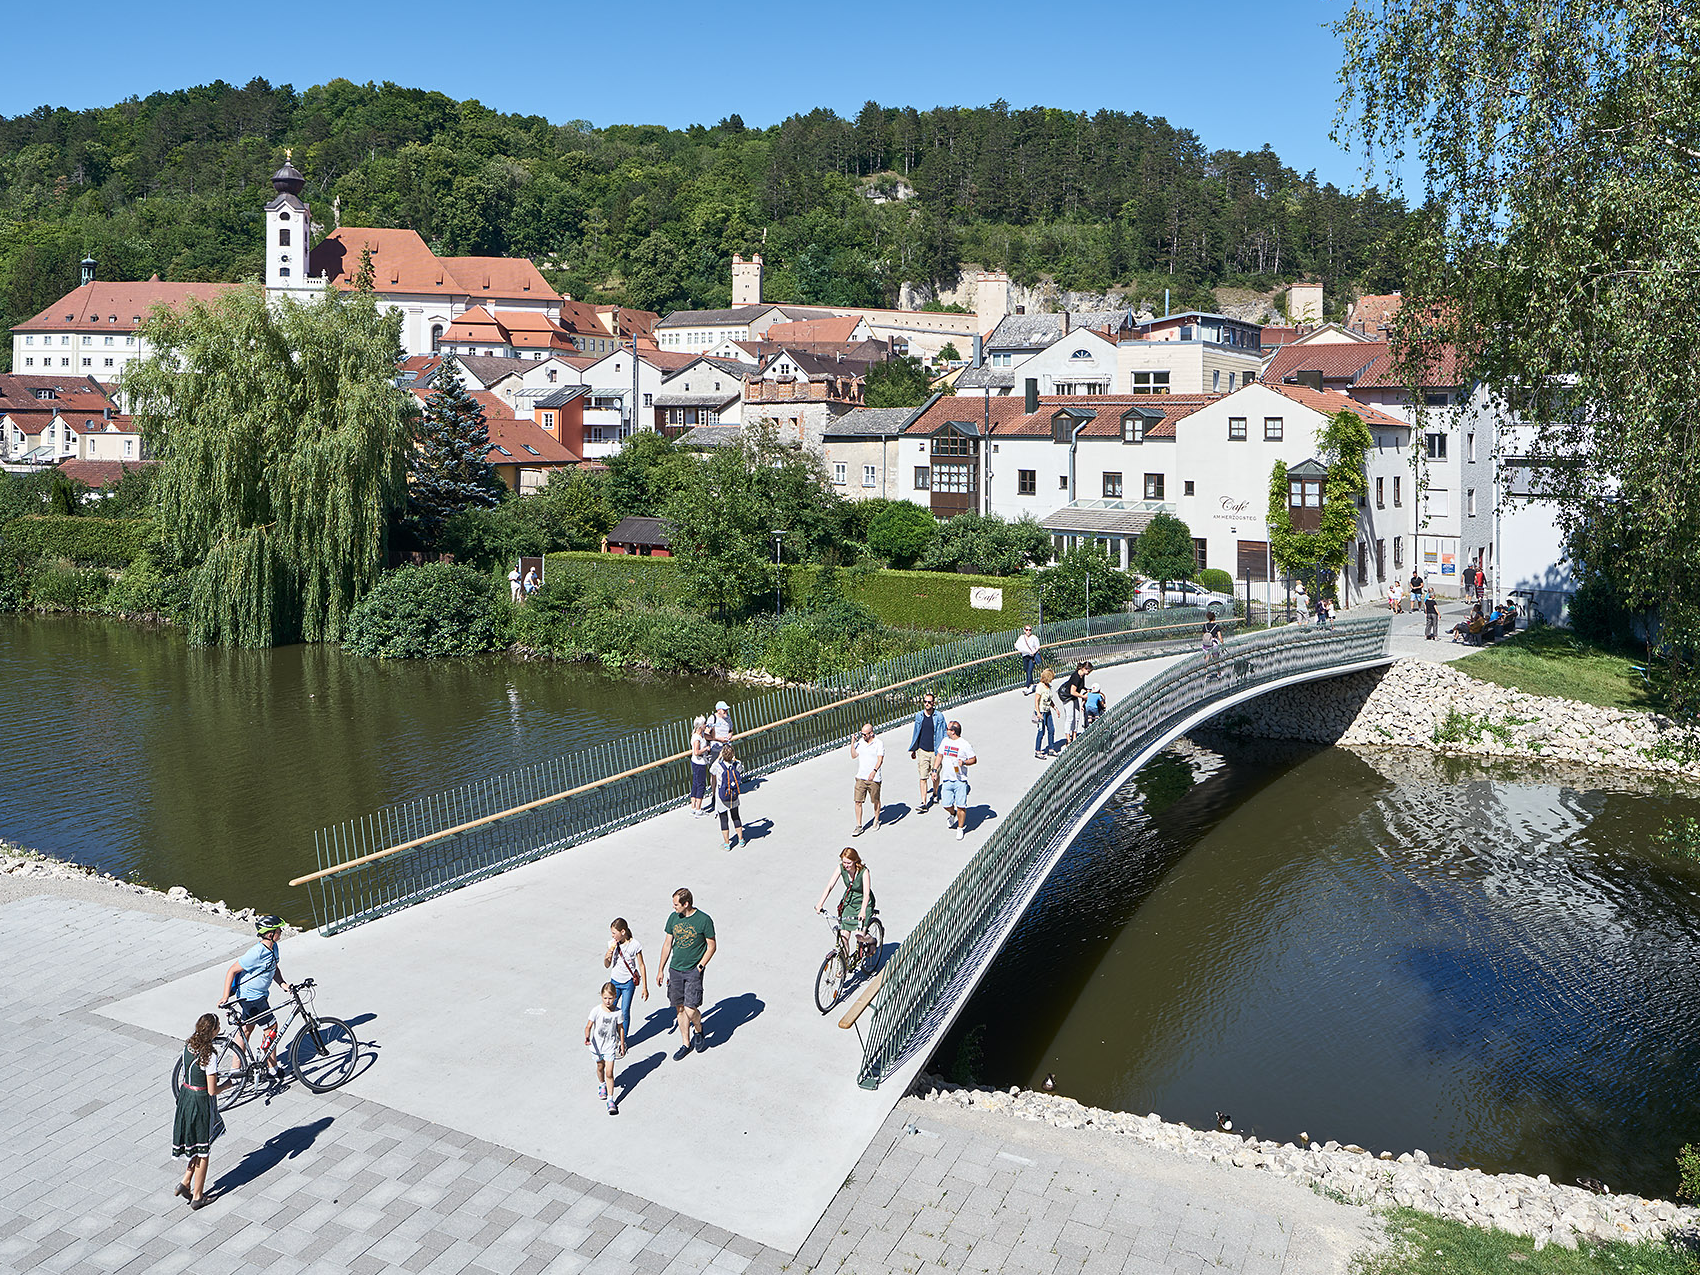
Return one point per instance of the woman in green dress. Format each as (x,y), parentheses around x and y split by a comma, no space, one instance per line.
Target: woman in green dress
(858,883)
(195,1127)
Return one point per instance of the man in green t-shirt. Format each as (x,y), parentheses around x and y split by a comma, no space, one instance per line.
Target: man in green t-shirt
(685,954)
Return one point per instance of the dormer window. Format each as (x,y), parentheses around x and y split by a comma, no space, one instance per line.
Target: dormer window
(1133,429)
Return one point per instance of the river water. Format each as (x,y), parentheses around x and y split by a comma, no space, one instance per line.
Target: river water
(1491,962)
(127,749)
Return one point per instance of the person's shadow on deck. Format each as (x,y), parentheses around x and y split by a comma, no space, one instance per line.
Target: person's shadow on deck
(631,1073)
(278,1148)
(977,815)
(725,1017)
(654,1023)
(756,829)
(892,811)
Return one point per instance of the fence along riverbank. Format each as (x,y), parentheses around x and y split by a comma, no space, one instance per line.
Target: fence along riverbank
(411,851)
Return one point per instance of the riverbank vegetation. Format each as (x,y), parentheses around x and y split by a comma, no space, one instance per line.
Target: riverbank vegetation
(1549,661)
(1423,1244)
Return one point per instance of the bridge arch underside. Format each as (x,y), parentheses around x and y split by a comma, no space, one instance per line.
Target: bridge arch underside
(1112,777)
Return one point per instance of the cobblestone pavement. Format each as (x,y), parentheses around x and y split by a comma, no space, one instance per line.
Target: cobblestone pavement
(337,1183)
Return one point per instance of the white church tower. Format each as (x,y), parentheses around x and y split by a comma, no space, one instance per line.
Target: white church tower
(288,237)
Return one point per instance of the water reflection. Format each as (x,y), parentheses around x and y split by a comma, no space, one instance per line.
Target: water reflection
(212,768)
(1488,962)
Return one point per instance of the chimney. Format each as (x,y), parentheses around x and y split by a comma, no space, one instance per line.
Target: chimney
(1032,403)
(979,350)
(89,264)
(1065,318)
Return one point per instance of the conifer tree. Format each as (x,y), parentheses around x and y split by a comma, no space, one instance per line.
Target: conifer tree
(447,469)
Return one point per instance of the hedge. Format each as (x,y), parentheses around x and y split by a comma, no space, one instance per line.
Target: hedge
(87,542)
(902,599)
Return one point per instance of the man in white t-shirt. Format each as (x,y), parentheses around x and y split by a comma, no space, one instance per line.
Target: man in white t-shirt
(868,752)
(951,764)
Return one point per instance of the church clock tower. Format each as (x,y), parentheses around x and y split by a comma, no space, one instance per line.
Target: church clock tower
(288,228)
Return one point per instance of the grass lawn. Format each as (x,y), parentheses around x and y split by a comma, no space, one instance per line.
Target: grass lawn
(1422,1244)
(1549,661)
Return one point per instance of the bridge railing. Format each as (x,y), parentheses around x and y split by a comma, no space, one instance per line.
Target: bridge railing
(404,853)
(936,962)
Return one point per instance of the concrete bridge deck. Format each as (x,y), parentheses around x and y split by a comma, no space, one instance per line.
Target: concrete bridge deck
(477,999)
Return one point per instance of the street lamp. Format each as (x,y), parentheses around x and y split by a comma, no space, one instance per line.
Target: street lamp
(778,572)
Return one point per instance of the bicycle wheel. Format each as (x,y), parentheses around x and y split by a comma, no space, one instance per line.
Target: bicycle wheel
(876,946)
(829,982)
(323,1054)
(230,1061)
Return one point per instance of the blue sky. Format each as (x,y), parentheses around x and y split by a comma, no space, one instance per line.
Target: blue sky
(1237,74)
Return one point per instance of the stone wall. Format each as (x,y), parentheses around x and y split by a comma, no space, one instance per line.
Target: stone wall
(1546,1211)
(1434,706)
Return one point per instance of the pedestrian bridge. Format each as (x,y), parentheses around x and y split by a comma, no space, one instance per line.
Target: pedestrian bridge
(467,931)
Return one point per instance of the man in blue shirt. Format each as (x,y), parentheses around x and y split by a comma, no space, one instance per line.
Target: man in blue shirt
(250,977)
(923,742)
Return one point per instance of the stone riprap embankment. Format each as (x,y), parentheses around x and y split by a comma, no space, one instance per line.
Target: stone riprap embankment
(1435,706)
(19,863)
(1545,1211)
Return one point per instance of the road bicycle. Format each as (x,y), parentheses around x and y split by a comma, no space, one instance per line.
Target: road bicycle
(322,1054)
(845,961)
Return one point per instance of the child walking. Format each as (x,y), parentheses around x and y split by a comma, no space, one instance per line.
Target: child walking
(195,1126)
(606,1040)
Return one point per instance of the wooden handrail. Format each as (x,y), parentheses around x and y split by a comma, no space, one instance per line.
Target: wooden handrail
(511,811)
(863,999)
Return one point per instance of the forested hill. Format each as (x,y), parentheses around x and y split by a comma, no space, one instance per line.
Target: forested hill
(174,184)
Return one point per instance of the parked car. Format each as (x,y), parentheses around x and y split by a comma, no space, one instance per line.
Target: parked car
(1179,593)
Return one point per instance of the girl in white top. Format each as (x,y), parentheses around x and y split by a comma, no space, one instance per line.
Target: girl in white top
(701,746)
(606,1040)
(624,962)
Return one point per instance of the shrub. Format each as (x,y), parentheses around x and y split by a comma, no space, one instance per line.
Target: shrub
(1216,579)
(1688,1170)
(902,532)
(57,588)
(86,542)
(1081,571)
(11,588)
(147,589)
(429,611)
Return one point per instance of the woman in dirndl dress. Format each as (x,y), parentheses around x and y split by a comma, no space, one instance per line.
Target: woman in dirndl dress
(197,1122)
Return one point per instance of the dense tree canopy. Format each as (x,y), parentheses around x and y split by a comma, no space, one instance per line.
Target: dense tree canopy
(282,444)
(173,184)
(1560,249)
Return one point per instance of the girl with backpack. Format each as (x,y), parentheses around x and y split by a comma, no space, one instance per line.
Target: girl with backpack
(728,786)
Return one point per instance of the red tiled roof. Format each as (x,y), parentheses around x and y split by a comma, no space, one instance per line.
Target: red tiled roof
(834,331)
(1329,402)
(631,320)
(72,393)
(1009,415)
(117,307)
(1440,372)
(508,431)
(98,473)
(511,278)
(82,424)
(1279,336)
(1337,362)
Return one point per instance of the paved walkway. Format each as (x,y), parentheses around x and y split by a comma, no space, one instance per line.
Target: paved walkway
(343,1183)
(479,997)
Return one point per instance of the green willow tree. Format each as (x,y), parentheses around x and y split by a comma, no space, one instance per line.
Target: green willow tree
(282,442)
(1559,250)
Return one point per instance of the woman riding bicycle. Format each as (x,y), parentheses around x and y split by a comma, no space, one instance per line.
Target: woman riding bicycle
(857,905)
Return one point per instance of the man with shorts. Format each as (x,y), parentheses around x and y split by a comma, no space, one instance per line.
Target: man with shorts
(954,758)
(927,736)
(250,977)
(685,954)
(868,752)
(1072,695)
